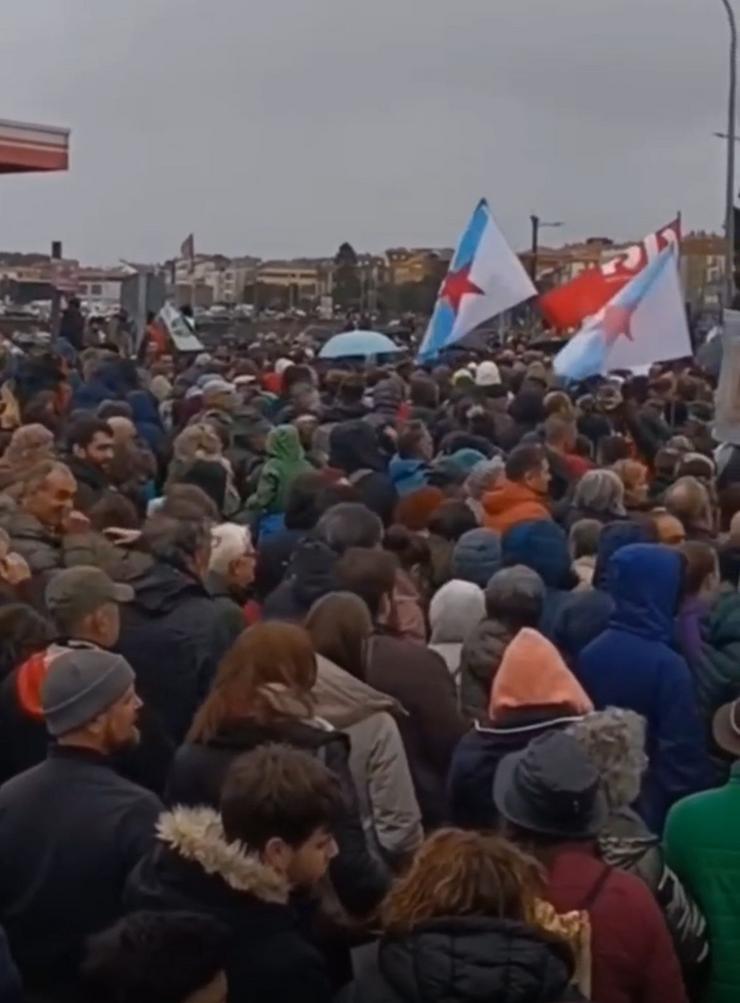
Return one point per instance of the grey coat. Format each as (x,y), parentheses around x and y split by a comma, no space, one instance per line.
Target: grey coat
(481,656)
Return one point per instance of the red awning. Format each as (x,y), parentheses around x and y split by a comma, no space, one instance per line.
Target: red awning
(26,147)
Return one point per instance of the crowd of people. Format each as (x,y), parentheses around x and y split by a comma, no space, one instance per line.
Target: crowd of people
(368,684)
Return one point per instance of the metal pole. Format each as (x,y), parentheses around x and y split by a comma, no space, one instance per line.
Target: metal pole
(730,192)
(535,247)
(56,296)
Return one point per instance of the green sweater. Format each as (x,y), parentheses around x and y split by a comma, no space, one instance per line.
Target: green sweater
(702,845)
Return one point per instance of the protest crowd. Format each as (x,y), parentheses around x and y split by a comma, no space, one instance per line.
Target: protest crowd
(368,683)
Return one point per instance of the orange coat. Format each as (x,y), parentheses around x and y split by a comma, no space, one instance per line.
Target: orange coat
(511,503)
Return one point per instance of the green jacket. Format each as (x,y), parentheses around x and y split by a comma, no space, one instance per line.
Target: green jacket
(285,461)
(702,845)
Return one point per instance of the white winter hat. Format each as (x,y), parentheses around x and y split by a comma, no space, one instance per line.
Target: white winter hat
(487,375)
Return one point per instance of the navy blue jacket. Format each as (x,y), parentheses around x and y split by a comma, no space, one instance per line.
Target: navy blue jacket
(632,664)
(478,754)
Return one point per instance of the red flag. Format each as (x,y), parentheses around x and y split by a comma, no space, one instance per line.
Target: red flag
(569,305)
(187,248)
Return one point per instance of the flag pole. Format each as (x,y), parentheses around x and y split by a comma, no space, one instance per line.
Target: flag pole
(730,181)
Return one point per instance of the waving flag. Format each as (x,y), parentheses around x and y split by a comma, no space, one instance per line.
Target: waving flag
(571,304)
(485,278)
(644,323)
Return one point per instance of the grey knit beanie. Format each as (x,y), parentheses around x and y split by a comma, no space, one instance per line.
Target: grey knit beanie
(80,685)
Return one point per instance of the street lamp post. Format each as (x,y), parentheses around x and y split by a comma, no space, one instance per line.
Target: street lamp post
(730,189)
(537,225)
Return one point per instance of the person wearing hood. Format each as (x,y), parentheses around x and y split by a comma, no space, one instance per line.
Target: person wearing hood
(340,626)
(468,923)
(110,379)
(354,449)
(513,600)
(146,417)
(310,574)
(632,664)
(550,797)
(614,741)
(262,694)
(522,496)
(173,632)
(454,612)
(700,844)
(285,461)
(409,469)
(533,693)
(274,554)
(252,862)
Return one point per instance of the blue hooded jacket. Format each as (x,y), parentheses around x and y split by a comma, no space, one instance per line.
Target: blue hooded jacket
(147,420)
(632,665)
(111,381)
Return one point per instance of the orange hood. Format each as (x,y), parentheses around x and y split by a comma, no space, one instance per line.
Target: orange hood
(511,503)
(532,674)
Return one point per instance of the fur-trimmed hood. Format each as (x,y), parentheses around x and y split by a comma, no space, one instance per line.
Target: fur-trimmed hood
(197,835)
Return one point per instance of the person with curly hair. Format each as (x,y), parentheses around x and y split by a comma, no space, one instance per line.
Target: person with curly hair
(467,923)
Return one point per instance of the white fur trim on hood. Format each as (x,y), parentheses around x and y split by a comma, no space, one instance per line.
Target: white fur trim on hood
(197,834)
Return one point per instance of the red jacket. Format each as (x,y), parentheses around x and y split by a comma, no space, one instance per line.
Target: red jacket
(632,955)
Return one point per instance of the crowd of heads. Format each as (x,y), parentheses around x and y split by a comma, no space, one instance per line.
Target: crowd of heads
(389,636)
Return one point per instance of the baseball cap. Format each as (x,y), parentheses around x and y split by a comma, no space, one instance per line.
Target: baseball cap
(80,685)
(81,590)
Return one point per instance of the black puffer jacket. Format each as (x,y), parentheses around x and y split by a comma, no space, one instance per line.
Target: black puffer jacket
(173,635)
(271,958)
(198,772)
(468,960)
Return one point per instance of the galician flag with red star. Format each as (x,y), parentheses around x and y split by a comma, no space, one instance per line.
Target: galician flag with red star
(485,278)
(644,322)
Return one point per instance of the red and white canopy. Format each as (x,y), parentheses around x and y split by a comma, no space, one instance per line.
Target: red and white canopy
(26,147)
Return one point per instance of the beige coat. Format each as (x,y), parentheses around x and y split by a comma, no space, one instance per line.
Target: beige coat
(380,770)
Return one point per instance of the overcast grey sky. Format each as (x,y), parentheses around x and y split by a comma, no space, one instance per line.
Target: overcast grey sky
(282,127)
